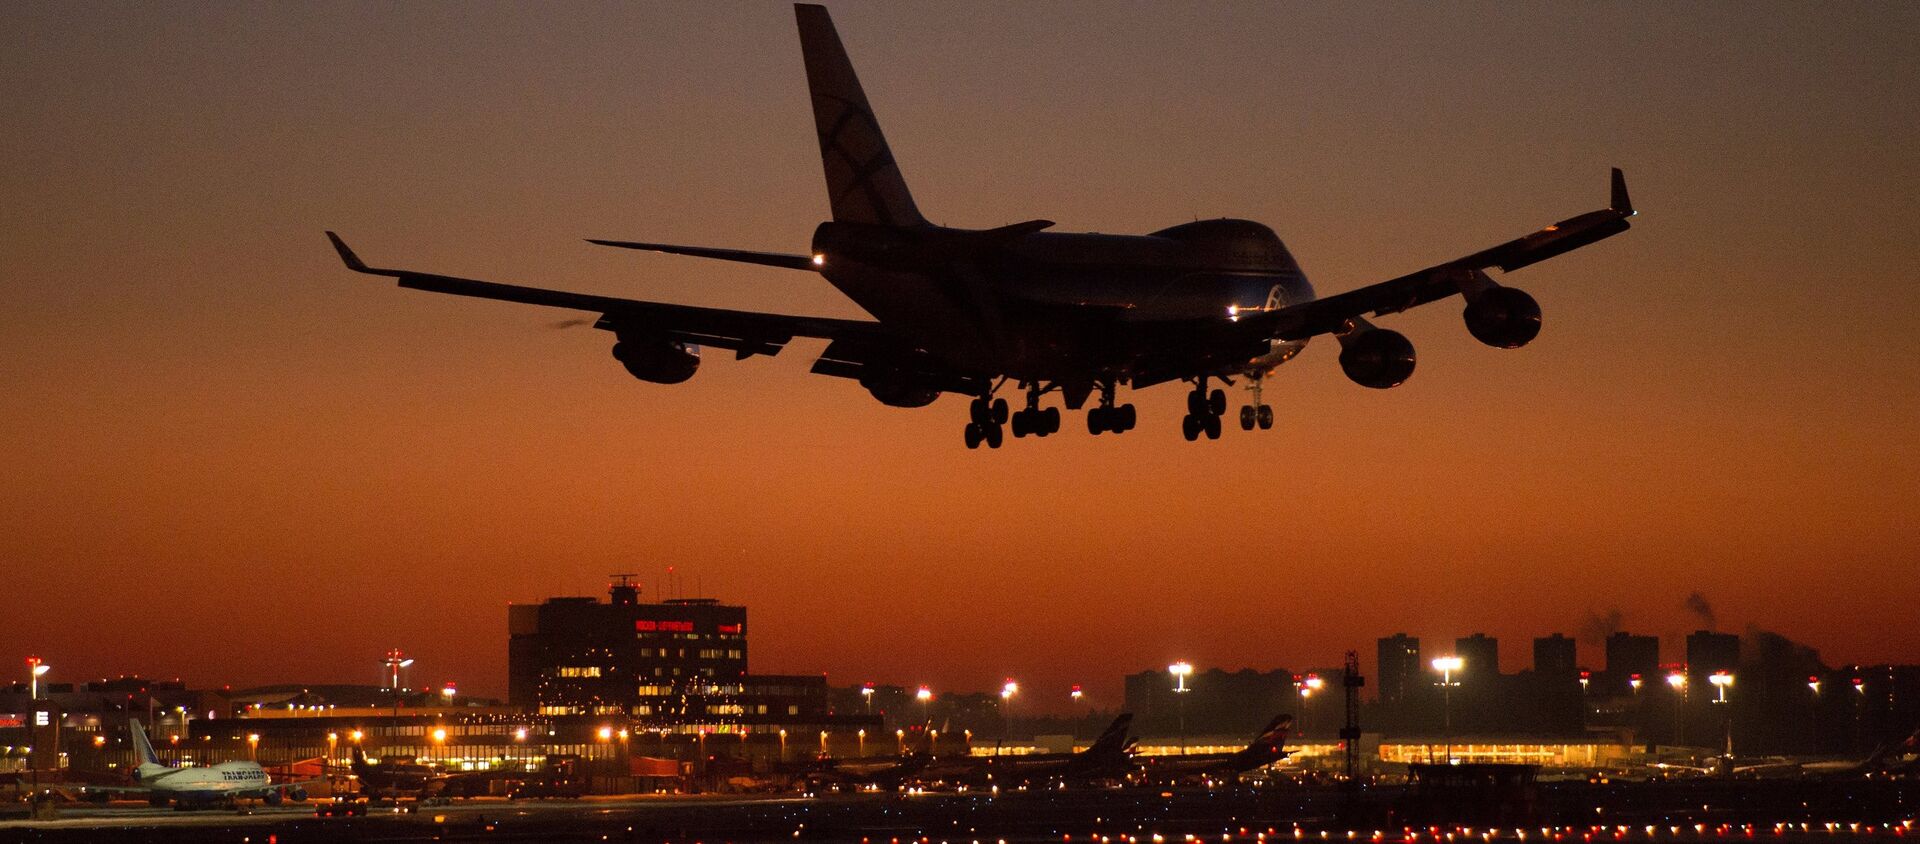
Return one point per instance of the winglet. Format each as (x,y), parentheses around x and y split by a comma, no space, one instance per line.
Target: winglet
(1621,202)
(353,261)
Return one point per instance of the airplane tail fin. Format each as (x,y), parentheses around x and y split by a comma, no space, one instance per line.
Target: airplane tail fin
(145,760)
(1271,744)
(863,182)
(1114,738)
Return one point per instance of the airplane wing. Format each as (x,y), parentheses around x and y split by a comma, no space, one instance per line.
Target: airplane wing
(860,349)
(1334,313)
(769,259)
(744,332)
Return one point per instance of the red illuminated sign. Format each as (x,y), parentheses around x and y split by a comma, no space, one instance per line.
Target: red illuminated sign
(664,626)
(735,628)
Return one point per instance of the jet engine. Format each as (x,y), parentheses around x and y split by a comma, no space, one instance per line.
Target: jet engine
(658,360)
(900,391)
(1503,317)
(1376,357)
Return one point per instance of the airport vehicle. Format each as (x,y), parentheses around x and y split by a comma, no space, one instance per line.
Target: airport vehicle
(968,311)
(1266,748)
(222,785)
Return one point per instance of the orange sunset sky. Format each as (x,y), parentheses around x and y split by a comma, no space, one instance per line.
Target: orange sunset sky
(228,459)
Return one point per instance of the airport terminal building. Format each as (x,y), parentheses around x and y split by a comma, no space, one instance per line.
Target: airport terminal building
(679,665)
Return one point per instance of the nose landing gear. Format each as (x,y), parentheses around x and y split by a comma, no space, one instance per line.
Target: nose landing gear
(1259,413)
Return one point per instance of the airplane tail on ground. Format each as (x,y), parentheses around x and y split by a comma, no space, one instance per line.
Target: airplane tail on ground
(147,763)
(1270,745)
(863,182)
(1114,739)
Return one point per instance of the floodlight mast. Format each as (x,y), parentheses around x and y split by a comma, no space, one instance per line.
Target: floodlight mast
(1446,665)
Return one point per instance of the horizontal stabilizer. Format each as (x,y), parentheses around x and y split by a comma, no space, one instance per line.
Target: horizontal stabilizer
(770,259)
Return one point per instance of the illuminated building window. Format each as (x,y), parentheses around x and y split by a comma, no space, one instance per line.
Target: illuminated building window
(578,671)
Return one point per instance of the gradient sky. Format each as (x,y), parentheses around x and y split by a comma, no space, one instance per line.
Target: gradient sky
(227,458)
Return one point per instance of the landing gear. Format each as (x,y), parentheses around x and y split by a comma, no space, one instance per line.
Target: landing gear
(986,416)
(1107,417)
(1118,420)
(1034,419)
(1204,410)
(1259,413)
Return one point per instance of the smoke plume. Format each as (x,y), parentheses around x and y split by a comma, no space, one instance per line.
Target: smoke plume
(1598,626)
(1697,604)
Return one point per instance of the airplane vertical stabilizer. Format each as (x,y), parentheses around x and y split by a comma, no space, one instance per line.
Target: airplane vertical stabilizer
(863,182)
(147,763)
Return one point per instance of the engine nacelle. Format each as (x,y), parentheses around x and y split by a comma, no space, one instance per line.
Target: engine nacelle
(656,360)
(1376,357)
(1503,317)
(900,392)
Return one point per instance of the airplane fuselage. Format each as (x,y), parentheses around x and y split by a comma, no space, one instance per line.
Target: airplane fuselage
(227,779)
(1065,305)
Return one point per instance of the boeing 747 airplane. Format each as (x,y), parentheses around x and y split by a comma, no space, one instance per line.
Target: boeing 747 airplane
(973,311)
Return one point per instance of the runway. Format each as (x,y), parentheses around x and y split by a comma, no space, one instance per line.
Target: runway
(1574,813)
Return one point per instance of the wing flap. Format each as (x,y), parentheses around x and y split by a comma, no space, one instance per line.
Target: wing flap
(769,259)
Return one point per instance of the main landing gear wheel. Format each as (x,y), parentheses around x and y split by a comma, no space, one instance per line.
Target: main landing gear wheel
(1116,419)
(989,434)
(1246,417)
(1204,410)
(1264,416)
(1037,422)
(986,417)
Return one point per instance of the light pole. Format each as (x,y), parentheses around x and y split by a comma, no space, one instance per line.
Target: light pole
(925,696)
(1307,685)
(1813,719)
(35,670)
(783,745)
(1721,680)
(1180,670)
(863,742)
(866,692)
(1446,665)
(1678,680)
(1006,711)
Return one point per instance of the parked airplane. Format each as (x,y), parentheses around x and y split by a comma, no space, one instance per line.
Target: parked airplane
(223,784)
(1266,748)
(968,311)
(1109,757)
(396,777)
